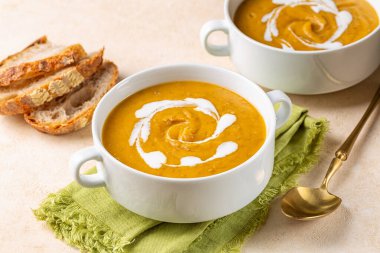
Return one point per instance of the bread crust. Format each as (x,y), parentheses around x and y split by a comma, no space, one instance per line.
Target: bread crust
(79,121)
(68,56)
(11,57)
(51,89)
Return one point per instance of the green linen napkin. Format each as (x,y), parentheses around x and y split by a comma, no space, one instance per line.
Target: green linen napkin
(93,222)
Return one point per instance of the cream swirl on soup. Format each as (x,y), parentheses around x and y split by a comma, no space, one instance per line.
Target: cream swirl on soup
(306,24)
(155,159)
(342,18)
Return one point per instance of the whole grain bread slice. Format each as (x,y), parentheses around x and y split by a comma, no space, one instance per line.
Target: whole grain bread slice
(38,59)
(30,94)
(74,111)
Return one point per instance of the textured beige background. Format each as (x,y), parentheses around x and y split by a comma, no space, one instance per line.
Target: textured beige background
(142,33)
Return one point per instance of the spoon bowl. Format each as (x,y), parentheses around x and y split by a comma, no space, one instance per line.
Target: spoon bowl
(304,203)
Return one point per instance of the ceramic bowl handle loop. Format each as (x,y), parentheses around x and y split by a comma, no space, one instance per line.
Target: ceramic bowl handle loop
(207,29)
(283,113)
(79,158)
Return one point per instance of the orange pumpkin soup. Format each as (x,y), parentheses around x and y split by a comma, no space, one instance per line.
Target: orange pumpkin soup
(306,24)
(184,129)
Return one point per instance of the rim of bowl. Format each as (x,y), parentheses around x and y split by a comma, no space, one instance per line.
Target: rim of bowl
(297,52)
(98,143)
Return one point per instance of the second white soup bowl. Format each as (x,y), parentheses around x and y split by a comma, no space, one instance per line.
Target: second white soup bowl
(178,199)
(298,72)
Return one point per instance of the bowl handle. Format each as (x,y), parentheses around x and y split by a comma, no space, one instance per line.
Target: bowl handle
(283,113)
(82,156)
(207,29)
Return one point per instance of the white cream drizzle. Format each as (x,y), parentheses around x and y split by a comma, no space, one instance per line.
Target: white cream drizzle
(342,18)
(156,159)
(222,150)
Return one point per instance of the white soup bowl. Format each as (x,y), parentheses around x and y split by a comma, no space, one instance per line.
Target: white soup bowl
(183,200)
(297,72)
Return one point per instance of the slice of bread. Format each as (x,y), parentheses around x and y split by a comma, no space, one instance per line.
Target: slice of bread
(74,111)
(25,96)
(38,59)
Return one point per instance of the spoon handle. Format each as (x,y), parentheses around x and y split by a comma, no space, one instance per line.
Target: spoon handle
(344,151)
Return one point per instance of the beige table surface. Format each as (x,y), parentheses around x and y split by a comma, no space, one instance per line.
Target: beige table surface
(143,33)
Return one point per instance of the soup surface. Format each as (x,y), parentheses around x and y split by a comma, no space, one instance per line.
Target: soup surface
(184,129)
(306,24)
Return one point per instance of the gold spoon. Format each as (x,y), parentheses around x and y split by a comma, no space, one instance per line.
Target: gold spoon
(304,203)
